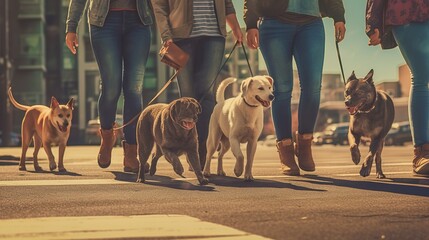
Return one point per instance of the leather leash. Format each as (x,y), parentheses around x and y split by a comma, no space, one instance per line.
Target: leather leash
(339,60)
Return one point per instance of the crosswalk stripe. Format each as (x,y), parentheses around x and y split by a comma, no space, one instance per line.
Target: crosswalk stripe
(111,227)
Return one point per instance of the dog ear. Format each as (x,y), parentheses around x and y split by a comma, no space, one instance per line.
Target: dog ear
(173,110)
(352,77)
(368,77)
(70,103)
(54,103)
(245,84)
(270,79)
(197,105)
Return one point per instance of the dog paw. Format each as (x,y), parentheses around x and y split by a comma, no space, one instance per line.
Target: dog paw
(148,168)
(62,170)
(52,167)
(152,170)
(203,181)
(22,168)
(355,154)
(380,175)
(221,173)
(206,174)
(365,171)
(140,180)
(238,171)
(38,169)
(178,168)
(249,178)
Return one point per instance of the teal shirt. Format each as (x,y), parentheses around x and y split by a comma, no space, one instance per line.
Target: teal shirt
(306,7)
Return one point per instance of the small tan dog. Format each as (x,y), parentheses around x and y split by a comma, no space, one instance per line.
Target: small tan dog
(238,120)
(47,126)
(172,128)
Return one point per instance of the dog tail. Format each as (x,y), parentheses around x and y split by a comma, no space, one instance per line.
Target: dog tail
(220,93)
(15,103)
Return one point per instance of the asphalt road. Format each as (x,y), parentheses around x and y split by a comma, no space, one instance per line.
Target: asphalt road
(333,202)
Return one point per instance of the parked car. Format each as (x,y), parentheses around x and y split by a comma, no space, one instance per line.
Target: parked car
(92,133)
(399,134)
(334,134)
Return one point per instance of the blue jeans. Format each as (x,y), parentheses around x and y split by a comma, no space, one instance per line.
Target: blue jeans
(121,48)
(205,59)
(279,42)
(413,40)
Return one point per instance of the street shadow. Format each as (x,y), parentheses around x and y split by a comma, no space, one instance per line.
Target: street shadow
(8,162)
(43,171)
(227,181)
(161,181)
(391,185)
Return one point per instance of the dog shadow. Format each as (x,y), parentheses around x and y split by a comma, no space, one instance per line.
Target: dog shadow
(228,181)
(391,185)
(162,181)
(67,173)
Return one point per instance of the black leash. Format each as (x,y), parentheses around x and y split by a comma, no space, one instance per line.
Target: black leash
(339,60)
(223,65)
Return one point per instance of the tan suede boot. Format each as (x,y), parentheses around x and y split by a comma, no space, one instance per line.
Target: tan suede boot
(108,140)
(287,157)
(421,159)
(131,163)
(303,152)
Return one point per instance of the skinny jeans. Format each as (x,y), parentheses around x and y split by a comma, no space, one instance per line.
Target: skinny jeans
(413,41)
(279,43)
(121,49)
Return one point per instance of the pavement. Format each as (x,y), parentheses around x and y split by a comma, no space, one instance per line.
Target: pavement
(333,202)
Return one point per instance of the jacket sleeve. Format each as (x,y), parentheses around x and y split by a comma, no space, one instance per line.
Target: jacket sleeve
(374,16)
(161,10)
(250,17)
(76,8)
(333,9)
(229,7)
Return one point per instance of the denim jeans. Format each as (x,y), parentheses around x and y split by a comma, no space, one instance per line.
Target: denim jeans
(413,40)
(121,48)
(205,59)
(279,42)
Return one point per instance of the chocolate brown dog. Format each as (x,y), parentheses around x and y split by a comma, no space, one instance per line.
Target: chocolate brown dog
(47,126)
(371,115)
(172,128)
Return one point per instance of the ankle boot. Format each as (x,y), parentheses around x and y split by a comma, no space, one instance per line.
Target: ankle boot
(131,164)
(108,140)
(303,152)
(421,159)
(287,157)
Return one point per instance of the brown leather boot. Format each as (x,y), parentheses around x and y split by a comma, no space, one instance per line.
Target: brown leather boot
(303,152)
(108,140)
(131,164)
(421,159)
(287,157)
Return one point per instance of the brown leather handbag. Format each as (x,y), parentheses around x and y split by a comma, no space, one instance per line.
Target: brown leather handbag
(173,56)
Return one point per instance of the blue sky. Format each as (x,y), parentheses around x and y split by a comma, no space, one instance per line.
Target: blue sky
(355,52)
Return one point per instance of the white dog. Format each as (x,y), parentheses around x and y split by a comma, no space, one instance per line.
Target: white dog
(238,120)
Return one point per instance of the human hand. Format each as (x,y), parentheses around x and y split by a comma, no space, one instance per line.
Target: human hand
(253,38)
(238,36)
(72,42)
(340,31)
(167,42)
(374,39)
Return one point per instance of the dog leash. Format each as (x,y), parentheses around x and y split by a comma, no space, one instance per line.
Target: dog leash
(339,60)
(223,65)
(177,72)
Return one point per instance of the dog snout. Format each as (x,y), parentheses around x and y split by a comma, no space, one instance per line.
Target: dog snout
(66,123)
(347,102)
(271,97)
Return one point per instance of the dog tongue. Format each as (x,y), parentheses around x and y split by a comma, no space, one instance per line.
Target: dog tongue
(351,110)
(188,125)
(265,103)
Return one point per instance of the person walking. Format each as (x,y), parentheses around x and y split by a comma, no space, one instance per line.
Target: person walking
(293,29)
(405,24)
(120,37)
(199,28)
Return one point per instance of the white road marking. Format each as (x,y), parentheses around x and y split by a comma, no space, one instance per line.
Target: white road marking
(111,227)
(56,182)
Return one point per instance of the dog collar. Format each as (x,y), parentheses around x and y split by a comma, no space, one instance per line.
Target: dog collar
(373,105)
(248,104)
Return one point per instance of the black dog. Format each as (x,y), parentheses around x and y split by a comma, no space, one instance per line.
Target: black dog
(371,115)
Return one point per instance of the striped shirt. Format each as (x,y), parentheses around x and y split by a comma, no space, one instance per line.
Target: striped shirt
(205,20)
